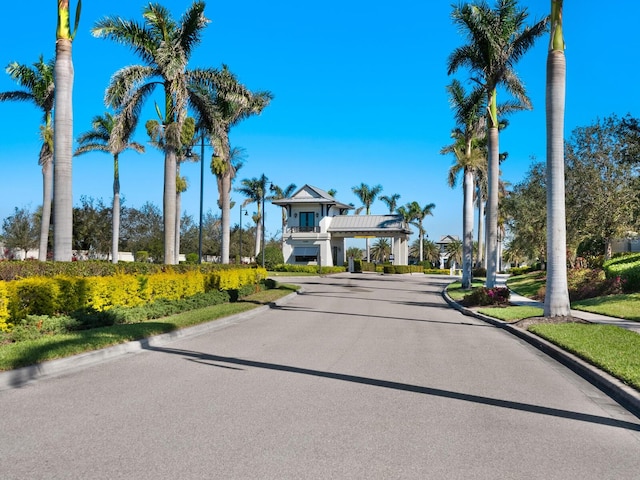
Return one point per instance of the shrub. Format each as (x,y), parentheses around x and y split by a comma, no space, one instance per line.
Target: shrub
(627,267)
(436,271)
(192,258)
(272,256)
(482,296)
(479,272)
(142,256)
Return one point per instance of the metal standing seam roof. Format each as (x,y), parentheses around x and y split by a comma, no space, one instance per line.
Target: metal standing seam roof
(368,223)
(310,194)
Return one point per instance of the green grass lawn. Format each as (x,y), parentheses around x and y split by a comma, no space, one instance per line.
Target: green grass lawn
(457,293)
(30,352)
(528,284)
(625,306)
(511,314)
(613,349)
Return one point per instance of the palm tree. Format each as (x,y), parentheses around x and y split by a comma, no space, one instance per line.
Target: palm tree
(469,158)
(63,133)
(391,201)
(165,46)
(38,85)
(454,251)
(380,250)
(108,136)
(417,215)
(255,189)
(279,193)
(556,300)
(498,39)
(221,107)
(367,196)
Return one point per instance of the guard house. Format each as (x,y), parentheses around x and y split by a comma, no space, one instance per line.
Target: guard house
(317,225)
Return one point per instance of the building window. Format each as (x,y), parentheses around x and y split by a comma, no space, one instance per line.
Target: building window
(307,221)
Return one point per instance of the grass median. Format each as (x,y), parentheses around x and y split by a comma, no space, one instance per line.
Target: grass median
(51,347)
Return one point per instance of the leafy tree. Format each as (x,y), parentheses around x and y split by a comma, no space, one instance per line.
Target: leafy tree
(63,133)
(20,231)
(556,300)
(142,230)
(601,194)
(109,136)
(367,196)
(498,38)
(272,255)
(38,88)
(92,222)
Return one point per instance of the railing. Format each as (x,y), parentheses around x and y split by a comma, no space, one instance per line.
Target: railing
(303,230)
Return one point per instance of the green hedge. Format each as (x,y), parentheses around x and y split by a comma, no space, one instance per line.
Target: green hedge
(286,267)
(627,267)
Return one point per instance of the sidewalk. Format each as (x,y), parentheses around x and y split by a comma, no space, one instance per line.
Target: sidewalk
(516,299)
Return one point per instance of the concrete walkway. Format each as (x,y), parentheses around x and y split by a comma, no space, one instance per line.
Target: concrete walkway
(516,299)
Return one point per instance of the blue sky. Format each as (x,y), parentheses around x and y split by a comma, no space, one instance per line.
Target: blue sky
(359,92)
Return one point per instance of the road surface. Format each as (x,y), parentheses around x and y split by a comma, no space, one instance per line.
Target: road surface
(362,376)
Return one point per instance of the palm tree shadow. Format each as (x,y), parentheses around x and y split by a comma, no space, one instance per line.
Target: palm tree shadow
(206,358)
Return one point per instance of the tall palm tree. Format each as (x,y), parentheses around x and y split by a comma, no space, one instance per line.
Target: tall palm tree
(63,133)
(380,250)
(38,85)
(367,196)
(391,201)
(498,39)
(221,107)
(165,46)
(455,252)
(108,136)
(556,300)
(417,214)
(469,158)
(255,190)
(280,193)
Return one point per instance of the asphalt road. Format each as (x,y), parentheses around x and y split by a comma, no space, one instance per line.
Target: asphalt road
(360,377)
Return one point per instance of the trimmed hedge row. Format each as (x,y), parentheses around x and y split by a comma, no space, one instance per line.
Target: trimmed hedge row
(287,267)
(401,269)
(627,267)
(64,294)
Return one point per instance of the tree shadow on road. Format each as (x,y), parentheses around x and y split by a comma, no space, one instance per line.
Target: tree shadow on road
(205,358)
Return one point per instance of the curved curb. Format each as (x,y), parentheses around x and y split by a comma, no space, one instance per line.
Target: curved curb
(626,396)
(22,376)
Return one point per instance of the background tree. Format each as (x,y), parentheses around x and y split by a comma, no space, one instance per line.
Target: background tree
(354,252)
(38,88)
(417,214)
(556,299)
(498,39)
(108,137)
(255,190)
(142,230)
(92,222)
(63,133)
(380,250)
(20,231)
(367,196)
(391,201)
(469,157)
(278,194)
(454,251)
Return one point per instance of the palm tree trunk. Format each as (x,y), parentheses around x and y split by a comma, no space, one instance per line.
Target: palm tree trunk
(47,190)
(492,206)
(556,301)
(169,206)
(481,256)
(258,228)
(115,234)
(467,229)
(225,207)
(176,260)
(63,152)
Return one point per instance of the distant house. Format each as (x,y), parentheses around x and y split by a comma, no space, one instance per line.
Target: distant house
(318,224)
(442,245)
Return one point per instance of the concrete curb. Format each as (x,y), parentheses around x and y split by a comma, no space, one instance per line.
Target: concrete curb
(626,396)
(25,375)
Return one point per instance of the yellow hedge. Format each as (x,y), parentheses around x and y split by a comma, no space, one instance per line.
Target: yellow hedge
(236,279)
(63,294)
(4,306)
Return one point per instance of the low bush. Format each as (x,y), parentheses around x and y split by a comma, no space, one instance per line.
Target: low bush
(436,271)
(517,270)
(479,272)
(627,267)
(482,296)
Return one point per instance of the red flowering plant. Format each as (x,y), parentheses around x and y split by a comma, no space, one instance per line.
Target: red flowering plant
(482,296)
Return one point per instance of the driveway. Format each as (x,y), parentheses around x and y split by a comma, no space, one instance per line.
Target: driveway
(361,376)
